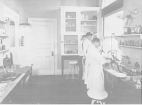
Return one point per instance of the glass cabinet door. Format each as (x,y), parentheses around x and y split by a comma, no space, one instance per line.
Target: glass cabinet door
(70,22)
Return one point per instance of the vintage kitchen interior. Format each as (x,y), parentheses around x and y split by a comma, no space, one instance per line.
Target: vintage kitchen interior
(70,51)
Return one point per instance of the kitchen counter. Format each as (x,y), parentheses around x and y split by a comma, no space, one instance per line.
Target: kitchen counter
(122,86)
(12,84)
(124,78)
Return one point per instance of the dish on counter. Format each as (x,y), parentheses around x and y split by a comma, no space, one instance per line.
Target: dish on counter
(117,74)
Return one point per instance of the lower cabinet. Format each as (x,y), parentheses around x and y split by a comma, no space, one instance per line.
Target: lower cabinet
(21,93)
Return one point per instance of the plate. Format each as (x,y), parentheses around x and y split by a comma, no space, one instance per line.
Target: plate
(121,75)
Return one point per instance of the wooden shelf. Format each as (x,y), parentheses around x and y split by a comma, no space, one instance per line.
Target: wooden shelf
(130,46)
(3,51)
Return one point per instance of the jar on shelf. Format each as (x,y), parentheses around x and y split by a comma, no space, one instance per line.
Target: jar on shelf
(139,29)
(94,17)
(136,29)
(86,17)
(127,30)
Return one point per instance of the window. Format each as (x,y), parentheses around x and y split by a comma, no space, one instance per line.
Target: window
(113,24)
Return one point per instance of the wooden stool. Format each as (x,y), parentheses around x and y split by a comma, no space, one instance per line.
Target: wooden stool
(97,96)
(73,68)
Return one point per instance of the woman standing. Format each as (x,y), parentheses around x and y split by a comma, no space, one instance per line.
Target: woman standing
(95,61)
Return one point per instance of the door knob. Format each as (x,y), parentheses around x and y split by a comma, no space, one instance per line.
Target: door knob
(52,53)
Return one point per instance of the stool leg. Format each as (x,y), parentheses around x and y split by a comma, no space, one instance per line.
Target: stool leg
(98,102)
(93,101)
(73,72)
(77,69)
(69,72)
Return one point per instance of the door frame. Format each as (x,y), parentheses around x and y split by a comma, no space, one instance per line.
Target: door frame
(55,37)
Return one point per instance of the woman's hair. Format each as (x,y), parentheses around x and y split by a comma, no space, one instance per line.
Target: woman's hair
(95,40)
(83,36)
(88,34)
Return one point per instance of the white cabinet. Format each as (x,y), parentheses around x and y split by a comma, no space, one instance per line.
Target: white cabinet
(75,22)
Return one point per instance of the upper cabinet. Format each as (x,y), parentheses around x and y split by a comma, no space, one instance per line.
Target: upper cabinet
(75,22)
(69,21)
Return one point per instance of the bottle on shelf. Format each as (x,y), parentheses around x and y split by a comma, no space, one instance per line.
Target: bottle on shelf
(0,29)
(94,17)
(0,44)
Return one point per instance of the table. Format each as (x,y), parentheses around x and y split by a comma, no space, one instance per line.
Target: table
(22,79)
(71,57)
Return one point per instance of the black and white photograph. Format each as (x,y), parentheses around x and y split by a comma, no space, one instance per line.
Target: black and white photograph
(80,52)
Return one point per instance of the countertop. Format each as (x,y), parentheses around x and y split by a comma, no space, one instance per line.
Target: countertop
(12,84)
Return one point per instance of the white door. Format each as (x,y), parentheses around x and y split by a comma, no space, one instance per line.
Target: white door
(43,45)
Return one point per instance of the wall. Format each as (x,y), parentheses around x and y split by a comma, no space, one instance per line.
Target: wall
(135,54)
(15,5)
(45,9)
(50,9)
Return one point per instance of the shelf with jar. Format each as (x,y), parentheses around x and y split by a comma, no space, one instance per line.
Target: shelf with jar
(3,32)
(70,15)
(129,35)
(88,16)
(70,49)
(130,46)
(71,39)
(4,38)
(131,43)
(137,29)
(2,46)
